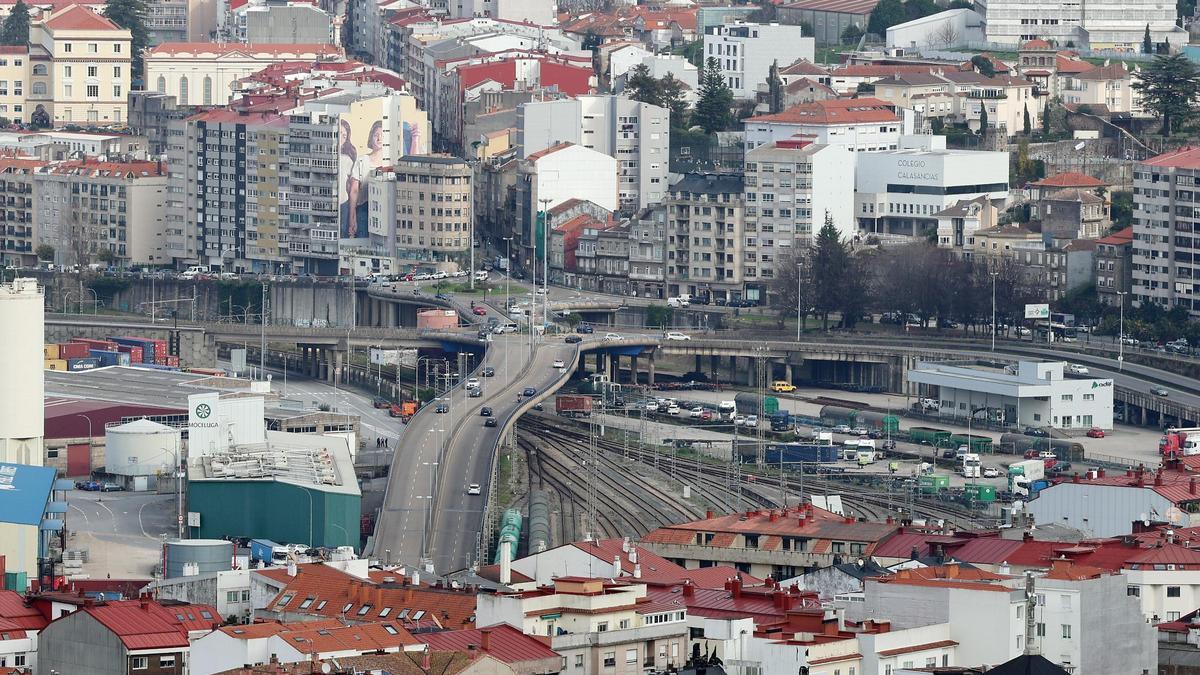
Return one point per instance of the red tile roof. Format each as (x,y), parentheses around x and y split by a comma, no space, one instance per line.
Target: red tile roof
(13,49)
(79,17)
(1167,554)
(1064,570)
(1069,65)
(268,628)
(283,50)
(762,603)
(1119,238)
(363,637)
(1035,44)
(16,616)
(504,643)
(834,112)
(1070,179)
(548,151)
(1184,158)
(817,524)
(95,169)
(918,648)
(147,624)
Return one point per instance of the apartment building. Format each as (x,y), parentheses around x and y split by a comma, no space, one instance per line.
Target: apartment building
(204,73)
(961,96)
(1107,24)
(792,186)
(647,252)
(103,211)
(746,51)
(420,209)
(1110,85)
(957,225)
(860,124)
(705,228)
(282,22)
(20,239)
(1114,266)
(636,134)
(228,172)
(597,625)
(79,69)
(1166,253)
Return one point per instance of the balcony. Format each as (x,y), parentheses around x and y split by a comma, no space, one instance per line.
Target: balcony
(659,631)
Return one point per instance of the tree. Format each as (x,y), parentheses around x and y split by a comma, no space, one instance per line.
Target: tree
(1147,43)
(983,119)
(886,14)
(836,283)
(984,65)
(15,31)
(658,316)
(774,89)
(1169,86)
(671,96)
(591,40)
(714,108)
(946,35)
(792,287)
(106,256)
(1122,208)
(1046,111)
(851,33)
(44,252)
(1028,122)
(131,15)
(640,85)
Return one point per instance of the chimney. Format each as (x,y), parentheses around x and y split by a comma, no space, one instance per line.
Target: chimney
(616,570)
(416,577)
(144,603)
(735,587)
(1170,536)
(773,517)
(485,640)
(633,555)
(291,568)
(425,659)
(473,650)
(1100,473)
(1027,536)
(1075,478)
(708,514)
(625,544)
(952,571)
(1158,479)
(505,562)
(637,571)
(689,591)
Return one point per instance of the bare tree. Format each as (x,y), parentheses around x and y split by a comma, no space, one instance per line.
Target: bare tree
(946,36)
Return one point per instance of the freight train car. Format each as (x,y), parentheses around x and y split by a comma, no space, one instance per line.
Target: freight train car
(1019,444)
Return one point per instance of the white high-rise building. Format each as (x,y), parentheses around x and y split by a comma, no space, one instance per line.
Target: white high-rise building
(745,52)
(22,388)
(637,135)
(1096,24)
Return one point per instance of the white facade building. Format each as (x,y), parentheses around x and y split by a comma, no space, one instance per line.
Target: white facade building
(1108,504)
(1106,24)
(860,124)
(901,191)
(568,171)
(791,186)
(1039,394)
(745,52)
(944,30)
(637,135)
(204,73)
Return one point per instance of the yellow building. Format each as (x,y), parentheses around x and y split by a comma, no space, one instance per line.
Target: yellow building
(80,65)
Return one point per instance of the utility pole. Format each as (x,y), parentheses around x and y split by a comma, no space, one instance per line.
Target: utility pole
(262,345)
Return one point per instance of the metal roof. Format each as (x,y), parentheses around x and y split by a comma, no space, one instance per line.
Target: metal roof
(24,492)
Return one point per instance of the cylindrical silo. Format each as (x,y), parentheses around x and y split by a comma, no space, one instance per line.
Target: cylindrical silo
(22,387)
(189,557)
(141,448)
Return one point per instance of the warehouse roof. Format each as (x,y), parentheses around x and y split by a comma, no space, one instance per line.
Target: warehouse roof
(24,492)
(147,624)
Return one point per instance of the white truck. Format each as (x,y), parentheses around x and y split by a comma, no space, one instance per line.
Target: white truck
(680,301)
(1021,474)
(727,409)
(972,465)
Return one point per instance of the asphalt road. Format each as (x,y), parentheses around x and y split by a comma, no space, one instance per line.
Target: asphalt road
(120,530)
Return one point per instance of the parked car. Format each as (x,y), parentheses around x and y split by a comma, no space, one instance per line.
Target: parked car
(1035,431)
(841,429)
(479,311)
(695,413)
(1095,432)
(380,402)
(111,487)
(572,339)
(87,485)
(585,327)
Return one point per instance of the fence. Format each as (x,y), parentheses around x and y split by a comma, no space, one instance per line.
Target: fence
(974,46)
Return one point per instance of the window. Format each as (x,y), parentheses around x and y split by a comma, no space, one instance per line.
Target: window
(66,71)
(183,89)
(232,596)
(117,48)
(166,661)
(67,47)
(1041,630)
(383,613)
(1133,591)
(1172,591)
(630,656)
(610,659)
(93,91)
(39,69)
(116,71)
(208,90)
(1066,631)
(92,71)
(93,48)
(602,627)
(162,87)
(138,663)
(347,607)
(579,660)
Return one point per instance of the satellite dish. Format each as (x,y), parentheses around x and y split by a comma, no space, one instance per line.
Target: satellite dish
(325,668)
(1080,145)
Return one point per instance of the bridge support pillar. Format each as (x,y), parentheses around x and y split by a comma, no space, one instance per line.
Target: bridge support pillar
(633,369)
(787,372)
(699,365)
(651,373)
(337,372)
(714,366)
(614,367)
(600,362)
(751,372)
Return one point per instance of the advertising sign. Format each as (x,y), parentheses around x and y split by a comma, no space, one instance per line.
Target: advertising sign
(1037,311)
(373,134)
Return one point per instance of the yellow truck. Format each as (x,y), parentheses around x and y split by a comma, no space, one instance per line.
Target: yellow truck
(783,386)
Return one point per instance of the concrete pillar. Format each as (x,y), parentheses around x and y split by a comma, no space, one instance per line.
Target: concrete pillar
(787,372)
(614,367)
(633,370)
(732,368)
(751,372)
(714,365)
(651,382)
(337,373)
(698,364)
(600,362)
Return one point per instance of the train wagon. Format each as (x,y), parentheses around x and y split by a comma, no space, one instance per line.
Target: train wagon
(929,436)
(754,404)
(978,444)
(792,453)
(573,405)
(1019,444)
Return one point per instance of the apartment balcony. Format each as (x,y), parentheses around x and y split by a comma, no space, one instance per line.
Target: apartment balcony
(659,631)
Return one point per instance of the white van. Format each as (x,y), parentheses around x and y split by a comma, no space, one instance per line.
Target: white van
(195,271)
(481,275)
(677,302)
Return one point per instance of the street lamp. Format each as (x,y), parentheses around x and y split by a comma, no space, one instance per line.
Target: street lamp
(994,275)
(799,297)
(545,202)
(89,421)
(1121,332)
(427,524)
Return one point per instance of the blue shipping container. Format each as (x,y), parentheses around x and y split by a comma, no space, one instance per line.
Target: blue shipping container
(83,364)
(110,358)
(801,452)
(148,355)
(261,549)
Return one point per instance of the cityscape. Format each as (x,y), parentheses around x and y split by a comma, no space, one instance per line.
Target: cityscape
(599,337)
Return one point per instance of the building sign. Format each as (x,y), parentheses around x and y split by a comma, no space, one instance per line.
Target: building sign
(916,169)
(1096,384)
(193,519)
(1037,311)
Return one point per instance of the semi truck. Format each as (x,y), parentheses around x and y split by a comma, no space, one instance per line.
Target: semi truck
(571,405)
(267,552)
(1024,478)
(972,465)
(1180,442)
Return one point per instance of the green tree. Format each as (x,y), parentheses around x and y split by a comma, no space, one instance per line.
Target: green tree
(573,319)
(792,287)
(983,120)
(851,34)
(984,65)
(1122,208)
(16,26)
(658,316)
(591,40)
(45,252)
(1028,122)
(886,14)
(1046,111)
(672,96)
(106,256)
(1169,86)
(714,108)
(831,273)
(1147,43)
(131,15)
(640,85)
(694,52)
(774,88)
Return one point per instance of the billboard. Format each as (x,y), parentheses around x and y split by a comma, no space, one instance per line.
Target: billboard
(1037,311)
(372,134)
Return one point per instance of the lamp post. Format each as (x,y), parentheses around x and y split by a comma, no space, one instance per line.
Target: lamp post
(507,297)
(799,297)
(427,523)
(994,275)
(545,202)
(1121,332)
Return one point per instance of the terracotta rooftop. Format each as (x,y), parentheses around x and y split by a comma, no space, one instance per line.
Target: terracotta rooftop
(834,112)
(79,17)
(16,616)
(147,624)
(1036,43)
(1119,238)
(858,7)
(268,628)
(533,157)
(1184,158)
(362,637)
(502,642)
(803,67)
(1070,179)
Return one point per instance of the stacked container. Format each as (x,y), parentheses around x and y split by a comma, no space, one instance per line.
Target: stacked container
(88,363)
(110,358)
(135,353)
(149,347)
(94,345)
(73,350)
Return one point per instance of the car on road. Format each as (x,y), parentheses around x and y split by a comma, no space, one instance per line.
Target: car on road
(111,487)
(613,336)
(485,411)
(841,429)
(460,273)
(673,409)
(707,415)
(474,489)
(474,393)
(380,402)
(472,383)
(860,431)
(751,421)
(438,275)
(651,406)
(949,453)
(528,391)
(488,372)
(489,422)
(87,485)
(1076,369)
(739,420)
(585,327)
(1023,331)
(420,277)
(1034,431)
(558,363)
(991,472)
(441,296)
(479,311)
(541,290)
(1095,432)
(695,413)
(441,409)
(816,432)
(1132,342)
(676,335)
(572,339)
(1160,391)
(782,386)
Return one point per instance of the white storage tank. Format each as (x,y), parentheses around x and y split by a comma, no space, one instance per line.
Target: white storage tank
(190,557)
(141,448)
(22,388)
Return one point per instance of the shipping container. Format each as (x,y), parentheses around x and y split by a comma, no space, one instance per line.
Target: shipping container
(836,414)
(571,405)
(56,364)
(980,493)
(882,422)
(263,550)
(800,452)
(929,436)
(72,350)
(152,366)
(135,353)
(50,352)
(934,482)
(173,361)
(749,404)
(88,363)
(107,358)
(103,345)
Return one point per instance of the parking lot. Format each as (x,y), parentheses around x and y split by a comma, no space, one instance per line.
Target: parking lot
(121,531)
